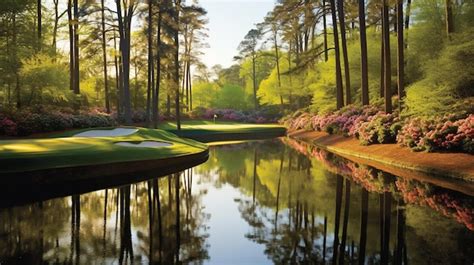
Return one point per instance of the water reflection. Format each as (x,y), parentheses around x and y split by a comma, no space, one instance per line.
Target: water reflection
(252,203)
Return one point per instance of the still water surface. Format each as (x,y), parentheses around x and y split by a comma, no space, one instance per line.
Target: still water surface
(265,202)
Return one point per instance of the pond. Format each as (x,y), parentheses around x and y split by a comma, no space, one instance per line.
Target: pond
(262,202)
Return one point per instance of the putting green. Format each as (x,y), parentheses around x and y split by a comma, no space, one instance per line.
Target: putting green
(221,130)
(66,150)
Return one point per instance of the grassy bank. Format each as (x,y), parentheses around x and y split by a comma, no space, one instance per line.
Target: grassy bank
(67,151)
(208,131)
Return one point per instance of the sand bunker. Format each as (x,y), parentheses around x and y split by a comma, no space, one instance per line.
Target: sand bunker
(148,144)
(107,133)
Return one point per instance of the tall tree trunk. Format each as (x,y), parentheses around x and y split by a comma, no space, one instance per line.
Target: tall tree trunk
(56,22)
(345,56)
(121,86)
(400,55)
(186,60)
(363,52)
(104,55)
(449,17)
(135,97)
(408,13)
(339,88)
(382,57)
(290,79)
(124,22)
(40,30)
(17,89)
(188,70)
(188,83)
(277,61)
(150,80)
(176,63)
(387,66)
(254,79)
(407,21)
(190,90)
(76,47)
(183,74)
(156,92)
(71,45)
(325,32)
(117,77)
(126,76)
(15,56)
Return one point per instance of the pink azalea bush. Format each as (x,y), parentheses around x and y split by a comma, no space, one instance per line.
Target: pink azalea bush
(372,126)
(447,133)
(39,120)
(366,123)
(380,128)
(344,121)
(7,126)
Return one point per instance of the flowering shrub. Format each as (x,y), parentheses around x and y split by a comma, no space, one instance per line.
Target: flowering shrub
(366,123)
(39,120)
(447,133)
(32,122)
(381,128)
(7,126)
(344,121)
(372,126)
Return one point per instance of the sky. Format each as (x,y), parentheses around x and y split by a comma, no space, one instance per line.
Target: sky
(229,21)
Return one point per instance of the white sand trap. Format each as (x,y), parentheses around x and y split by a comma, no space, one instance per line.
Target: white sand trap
(149,144)
(107,133)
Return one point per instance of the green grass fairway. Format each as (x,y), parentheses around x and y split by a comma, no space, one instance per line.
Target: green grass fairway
(67,151)
(206,130)
(63,150)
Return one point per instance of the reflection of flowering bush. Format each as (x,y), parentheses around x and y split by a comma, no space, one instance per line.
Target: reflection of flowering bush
(445,133)
(371,179)
(448,203)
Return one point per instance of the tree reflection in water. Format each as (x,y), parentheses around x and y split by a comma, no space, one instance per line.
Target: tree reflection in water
(126,225)
(301,204)
(301,230)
